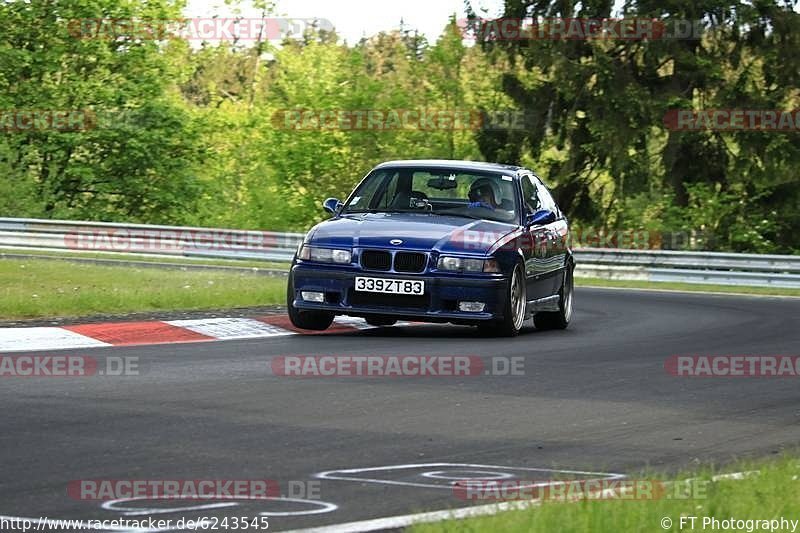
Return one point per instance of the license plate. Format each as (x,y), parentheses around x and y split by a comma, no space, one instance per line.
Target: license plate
(390,286)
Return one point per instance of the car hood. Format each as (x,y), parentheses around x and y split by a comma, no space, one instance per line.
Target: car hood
(417,231)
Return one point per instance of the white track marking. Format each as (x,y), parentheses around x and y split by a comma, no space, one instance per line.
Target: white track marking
(134,511)
(393,522)
(400,521)
(442,474)
(342,475)
(734,476)
(44,338)
(230,328)
(321,506)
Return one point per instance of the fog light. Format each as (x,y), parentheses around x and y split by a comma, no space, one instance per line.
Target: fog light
(311,296)
(471,307)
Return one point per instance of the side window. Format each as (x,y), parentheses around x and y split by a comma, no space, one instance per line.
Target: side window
(529,195)
(365,196)
(546,199)
(383,192)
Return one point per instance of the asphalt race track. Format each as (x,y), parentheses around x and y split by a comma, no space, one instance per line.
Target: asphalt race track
(595,397)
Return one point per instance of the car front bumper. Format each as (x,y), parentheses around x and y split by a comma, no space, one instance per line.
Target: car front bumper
(438,304)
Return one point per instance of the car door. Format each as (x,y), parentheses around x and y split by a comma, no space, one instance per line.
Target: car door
(552,270)
(536,242)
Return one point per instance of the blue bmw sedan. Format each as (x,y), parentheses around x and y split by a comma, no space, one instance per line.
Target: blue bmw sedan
(438,241)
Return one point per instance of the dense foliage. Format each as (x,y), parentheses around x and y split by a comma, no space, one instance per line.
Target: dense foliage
(187,134)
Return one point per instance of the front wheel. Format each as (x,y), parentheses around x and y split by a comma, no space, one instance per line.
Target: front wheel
(514,311)
(559,319)
(313,320)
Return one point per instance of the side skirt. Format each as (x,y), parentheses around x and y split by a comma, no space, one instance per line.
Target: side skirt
(550,303)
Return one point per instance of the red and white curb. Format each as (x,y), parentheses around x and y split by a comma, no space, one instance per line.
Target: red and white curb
(159,332)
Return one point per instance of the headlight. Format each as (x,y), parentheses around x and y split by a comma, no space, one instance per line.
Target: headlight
(324,255)
(459,264)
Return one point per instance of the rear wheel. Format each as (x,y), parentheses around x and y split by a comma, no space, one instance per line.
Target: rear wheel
(514,311)
(313,320)
(559,319)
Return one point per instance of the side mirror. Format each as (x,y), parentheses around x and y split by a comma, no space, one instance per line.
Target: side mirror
(331,205)
(541,217)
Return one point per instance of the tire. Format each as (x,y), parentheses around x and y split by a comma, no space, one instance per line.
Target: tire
(312,320)
(559,319)
(514,308)
(380,321)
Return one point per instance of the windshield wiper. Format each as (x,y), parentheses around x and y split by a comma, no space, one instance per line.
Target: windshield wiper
(377,210)
(462,215)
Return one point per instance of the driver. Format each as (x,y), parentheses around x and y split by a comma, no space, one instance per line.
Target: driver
(481,194)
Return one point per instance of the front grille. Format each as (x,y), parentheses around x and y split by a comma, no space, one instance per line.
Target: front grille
(409,262)
(376,260)
(375,299)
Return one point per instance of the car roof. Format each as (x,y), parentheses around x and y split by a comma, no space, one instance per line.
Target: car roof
(509,170)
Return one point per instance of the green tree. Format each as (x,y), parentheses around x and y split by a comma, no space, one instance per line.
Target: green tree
(134,162)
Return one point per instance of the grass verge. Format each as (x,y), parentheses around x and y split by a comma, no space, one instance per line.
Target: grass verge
(688,287)
(41,288)
(773,493)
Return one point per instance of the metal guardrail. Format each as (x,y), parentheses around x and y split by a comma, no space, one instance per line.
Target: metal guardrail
(161,241)
(213,243)
(718,268)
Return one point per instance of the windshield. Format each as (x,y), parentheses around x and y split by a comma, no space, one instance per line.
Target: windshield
(475,195)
